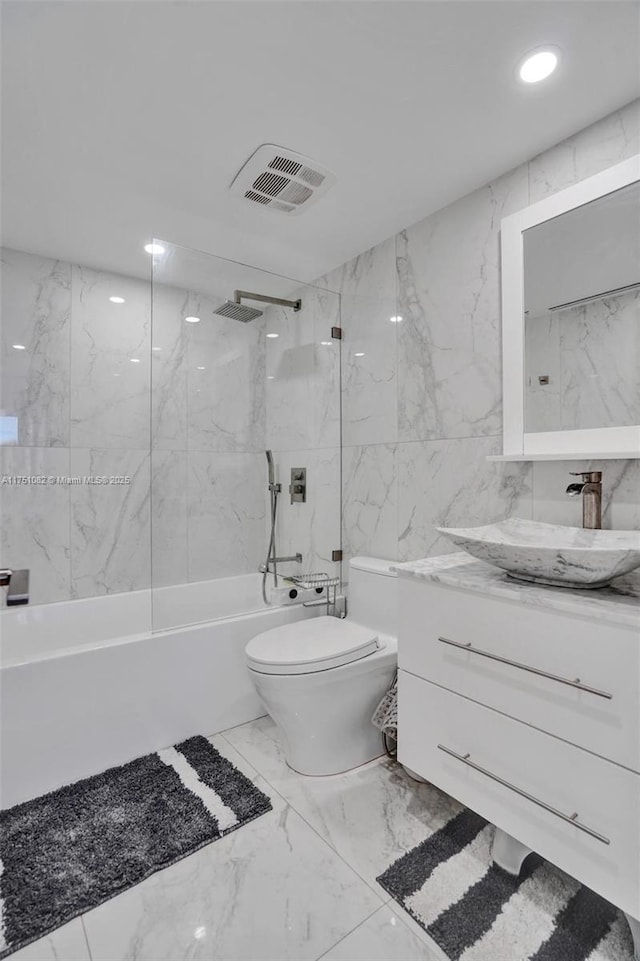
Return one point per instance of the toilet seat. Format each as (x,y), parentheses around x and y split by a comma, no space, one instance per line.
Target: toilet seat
(305,647)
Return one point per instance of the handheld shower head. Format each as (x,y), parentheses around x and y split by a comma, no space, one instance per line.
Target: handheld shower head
(272,476)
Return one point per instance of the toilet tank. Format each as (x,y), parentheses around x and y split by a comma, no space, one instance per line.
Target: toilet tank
(373,594)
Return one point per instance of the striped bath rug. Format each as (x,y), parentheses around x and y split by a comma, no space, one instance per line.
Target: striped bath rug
(476,911)
(69,851)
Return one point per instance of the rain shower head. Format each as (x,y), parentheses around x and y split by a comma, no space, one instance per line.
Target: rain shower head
(239,311)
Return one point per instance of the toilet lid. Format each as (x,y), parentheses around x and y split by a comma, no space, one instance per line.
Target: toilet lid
(316,644)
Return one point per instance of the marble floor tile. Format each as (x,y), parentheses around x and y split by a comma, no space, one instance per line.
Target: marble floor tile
(370,816)
(271,890)
(385,936)
(66,944)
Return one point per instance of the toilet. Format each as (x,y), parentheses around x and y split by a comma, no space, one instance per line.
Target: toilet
(321,679)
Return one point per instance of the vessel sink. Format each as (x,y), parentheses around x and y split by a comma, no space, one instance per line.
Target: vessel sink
(549,553)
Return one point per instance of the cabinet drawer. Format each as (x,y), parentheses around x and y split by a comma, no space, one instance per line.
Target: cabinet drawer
(574,678)
(544,782)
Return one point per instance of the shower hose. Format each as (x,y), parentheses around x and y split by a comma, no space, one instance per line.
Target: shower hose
(271,551)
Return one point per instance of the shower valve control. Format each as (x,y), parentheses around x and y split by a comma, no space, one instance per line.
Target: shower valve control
(298,485)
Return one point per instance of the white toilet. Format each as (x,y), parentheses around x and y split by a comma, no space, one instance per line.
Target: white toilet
(322,678)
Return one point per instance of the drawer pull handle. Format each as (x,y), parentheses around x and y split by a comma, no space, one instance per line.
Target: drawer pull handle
(526,667)
(570,819)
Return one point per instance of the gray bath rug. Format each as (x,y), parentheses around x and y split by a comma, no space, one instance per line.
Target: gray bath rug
(67,852)
(476,911)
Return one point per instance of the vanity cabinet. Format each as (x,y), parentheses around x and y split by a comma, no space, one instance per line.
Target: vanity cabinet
(524,704)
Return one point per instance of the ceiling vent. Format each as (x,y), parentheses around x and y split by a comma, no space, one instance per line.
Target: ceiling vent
(281,179)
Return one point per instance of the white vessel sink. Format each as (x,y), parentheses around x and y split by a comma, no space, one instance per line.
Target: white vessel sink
(549,553)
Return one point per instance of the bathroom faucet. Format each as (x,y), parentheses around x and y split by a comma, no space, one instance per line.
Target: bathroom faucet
(17,584)
(591,490)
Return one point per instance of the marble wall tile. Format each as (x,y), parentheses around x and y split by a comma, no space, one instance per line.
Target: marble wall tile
(226,513)
(36,313)
(367,287)
(110,523)
(169,368)
(169,556)
(370,501)
(226,380)
(312,528)
(449,483)
(35,520)
(110,361)
(600,363)
(449,364)
(620,493)
(303,373)
(605,143)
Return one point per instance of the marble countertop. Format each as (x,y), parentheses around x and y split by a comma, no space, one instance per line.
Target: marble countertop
(617,604)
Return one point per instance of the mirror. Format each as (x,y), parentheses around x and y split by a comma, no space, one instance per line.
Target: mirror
(571,320)
(582,316)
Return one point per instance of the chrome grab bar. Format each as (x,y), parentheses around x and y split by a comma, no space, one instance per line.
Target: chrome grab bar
(569,818)
(525,667)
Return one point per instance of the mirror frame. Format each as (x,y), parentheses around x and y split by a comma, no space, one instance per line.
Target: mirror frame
(600,442)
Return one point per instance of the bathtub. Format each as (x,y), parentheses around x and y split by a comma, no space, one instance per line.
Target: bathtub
(87,684)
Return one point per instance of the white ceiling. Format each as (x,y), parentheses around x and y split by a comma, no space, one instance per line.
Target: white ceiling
(127,120)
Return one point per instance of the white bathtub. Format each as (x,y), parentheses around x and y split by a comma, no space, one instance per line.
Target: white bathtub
(86,684)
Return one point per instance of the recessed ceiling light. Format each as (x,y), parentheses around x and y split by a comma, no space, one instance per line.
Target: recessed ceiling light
(156,348)
(538,65)
(359,354)
(270,377)
(326,343)
(154,248)
(19,347)
(273,335)
(134,360)
(117,300)
(192,320)
(200,368)
(395,320)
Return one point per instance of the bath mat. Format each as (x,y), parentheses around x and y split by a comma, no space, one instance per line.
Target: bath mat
(69,851)
(476,911)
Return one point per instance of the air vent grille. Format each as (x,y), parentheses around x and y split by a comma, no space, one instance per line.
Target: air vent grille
(296,193)
(278,205)
(273,172)
(285,165)
(259,198)
(311,177)
(270,184)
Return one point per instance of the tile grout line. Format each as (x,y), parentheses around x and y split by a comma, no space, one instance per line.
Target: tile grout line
(349,933)
(86,936)
(382,898)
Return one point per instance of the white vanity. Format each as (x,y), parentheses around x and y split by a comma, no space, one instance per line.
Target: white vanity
(523,702)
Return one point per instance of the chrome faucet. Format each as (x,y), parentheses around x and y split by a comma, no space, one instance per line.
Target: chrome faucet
(17,584)
(591,490)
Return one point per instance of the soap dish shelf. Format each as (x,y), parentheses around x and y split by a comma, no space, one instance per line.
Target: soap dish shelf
(317,582)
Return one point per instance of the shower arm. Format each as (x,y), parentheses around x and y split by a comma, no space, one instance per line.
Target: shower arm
(240,295)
